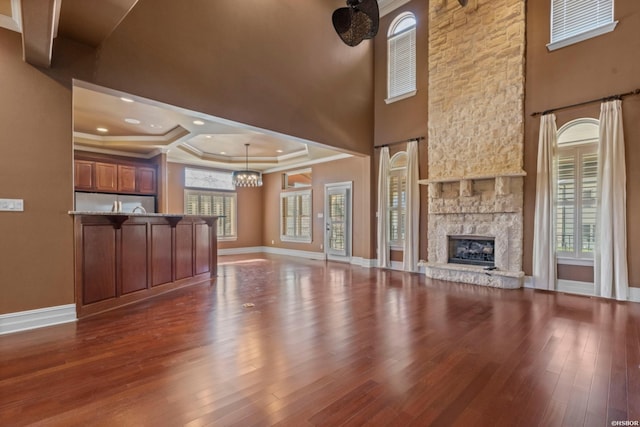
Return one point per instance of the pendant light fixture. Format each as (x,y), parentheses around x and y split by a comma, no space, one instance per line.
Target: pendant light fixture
(246,177)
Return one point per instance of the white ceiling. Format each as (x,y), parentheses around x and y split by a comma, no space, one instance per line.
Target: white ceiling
(217,142)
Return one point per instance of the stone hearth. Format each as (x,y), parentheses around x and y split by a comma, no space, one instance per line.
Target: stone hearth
(483,206)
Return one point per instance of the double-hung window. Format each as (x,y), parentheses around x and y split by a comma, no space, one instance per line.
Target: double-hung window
(401,57)
(210,192)
(295,216)
(397,190)
(576,185)
(573,21)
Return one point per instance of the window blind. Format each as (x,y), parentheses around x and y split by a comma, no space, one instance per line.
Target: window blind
(573,17)
(402,63)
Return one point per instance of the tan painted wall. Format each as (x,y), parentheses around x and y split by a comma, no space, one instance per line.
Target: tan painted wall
(36,249)
(277,65)
(250,206)
(355,169)
(595,68)
(403,119)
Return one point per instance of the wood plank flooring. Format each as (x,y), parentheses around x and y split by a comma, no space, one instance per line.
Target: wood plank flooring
(330,344)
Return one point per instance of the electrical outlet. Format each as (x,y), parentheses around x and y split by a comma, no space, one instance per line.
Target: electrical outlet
(321,246)
(16,205)
(273,242)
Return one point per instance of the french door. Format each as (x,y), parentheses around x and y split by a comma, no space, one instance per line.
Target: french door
(338,221)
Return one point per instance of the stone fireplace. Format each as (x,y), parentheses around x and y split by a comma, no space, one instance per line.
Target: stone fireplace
(476,133)
(485,214)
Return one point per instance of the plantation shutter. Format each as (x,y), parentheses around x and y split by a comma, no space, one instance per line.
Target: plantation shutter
(589,163)
(566,200)
(402,63)
(397,188)
(572,17)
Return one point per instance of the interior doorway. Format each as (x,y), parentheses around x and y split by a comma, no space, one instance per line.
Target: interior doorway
(338,221)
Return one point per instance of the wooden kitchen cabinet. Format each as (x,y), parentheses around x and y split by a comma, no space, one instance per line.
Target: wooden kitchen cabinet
(83,172)
(126,179)
(106,177)
(146,180)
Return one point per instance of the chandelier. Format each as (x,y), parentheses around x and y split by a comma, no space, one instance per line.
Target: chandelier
(246,177)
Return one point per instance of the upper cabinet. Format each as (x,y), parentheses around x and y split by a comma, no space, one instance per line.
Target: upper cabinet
(114,177)
(146,180)
(106,177)
(83,175)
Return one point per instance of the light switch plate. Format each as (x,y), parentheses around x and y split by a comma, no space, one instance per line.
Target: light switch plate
(15,205)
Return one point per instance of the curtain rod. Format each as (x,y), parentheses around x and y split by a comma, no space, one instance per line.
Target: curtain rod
(606,98)
(417,139)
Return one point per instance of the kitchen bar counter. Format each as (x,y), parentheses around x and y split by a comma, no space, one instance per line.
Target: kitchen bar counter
(123,257)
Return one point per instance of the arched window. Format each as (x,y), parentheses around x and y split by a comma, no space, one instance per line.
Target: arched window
(397,191)
(401,57)
(576,184)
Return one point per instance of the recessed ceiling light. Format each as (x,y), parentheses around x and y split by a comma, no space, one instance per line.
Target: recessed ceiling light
(125,99)
(278,151)
(132,121)
(223,152)
(101,129)
(198,122)
(208,136)
(155,126)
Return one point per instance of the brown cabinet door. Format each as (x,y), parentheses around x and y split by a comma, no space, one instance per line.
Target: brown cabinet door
(106,177)
(83,174)
(126,178)
(146,180)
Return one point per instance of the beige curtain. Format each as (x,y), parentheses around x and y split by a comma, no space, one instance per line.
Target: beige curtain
(544,254)
(610,263)
(412,210)
(383,213)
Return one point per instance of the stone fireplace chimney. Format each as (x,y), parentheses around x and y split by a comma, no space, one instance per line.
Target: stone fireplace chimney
(476,134)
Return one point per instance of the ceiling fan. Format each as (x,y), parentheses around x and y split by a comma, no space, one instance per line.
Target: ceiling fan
(356,22)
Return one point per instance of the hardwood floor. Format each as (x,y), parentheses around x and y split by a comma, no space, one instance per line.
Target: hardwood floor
(330,344)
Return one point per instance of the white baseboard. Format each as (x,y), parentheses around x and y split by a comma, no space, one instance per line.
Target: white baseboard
(575,287)
(294,253)
(239,251)
(634,294)
(32,319)
(363,262)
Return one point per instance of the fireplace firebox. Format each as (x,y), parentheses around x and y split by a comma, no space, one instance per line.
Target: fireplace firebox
(472,250)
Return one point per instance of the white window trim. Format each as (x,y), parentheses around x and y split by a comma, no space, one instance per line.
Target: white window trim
(391,36)
(234,195)
(293,239)
(564,258)
(594,32)
(400,97)
(396,245)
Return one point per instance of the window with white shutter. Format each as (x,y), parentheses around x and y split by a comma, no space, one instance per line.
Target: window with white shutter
(224,205)
(295,216)
(573,21)
(576,183)
(401,51)
(397,190)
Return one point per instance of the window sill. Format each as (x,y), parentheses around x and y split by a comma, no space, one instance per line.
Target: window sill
(400,97)
(603,29)
(574,261)
(295,239)
(227,239)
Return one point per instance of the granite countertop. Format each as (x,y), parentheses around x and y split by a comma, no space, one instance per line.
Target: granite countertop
(99,213)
